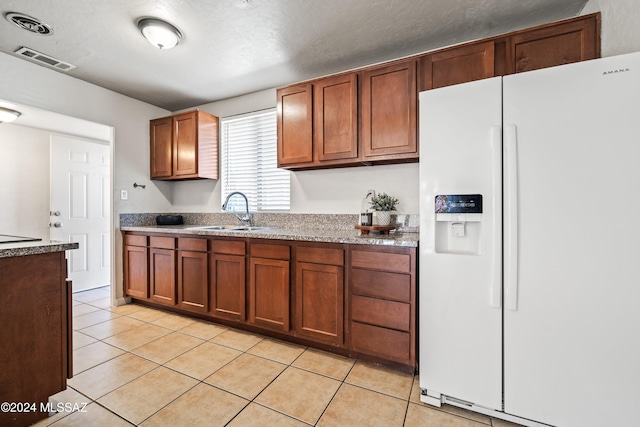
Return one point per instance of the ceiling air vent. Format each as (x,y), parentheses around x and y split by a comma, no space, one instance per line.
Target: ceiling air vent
(29,23)
(43,59)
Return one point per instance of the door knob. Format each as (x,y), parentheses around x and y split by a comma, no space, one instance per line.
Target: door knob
(56,224)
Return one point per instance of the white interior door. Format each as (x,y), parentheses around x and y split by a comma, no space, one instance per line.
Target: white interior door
(80,207)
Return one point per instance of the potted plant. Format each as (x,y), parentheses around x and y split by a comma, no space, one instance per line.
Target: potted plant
(383,204)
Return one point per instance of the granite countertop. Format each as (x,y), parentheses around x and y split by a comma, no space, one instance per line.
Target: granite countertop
(297,234)
(8,250)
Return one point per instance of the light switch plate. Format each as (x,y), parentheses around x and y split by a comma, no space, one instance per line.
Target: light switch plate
(124,195)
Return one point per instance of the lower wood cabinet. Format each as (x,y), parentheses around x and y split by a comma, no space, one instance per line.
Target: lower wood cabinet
(356,300)
(227,273)
(162,270)
(319,293)
(136,266)
(193,274)
(269,285)
(383,303)
(35,332)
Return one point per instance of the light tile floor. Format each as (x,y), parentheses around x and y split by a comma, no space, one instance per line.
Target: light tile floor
(134,365)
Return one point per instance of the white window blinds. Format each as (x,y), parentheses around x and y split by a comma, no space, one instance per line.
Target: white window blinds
(249,163)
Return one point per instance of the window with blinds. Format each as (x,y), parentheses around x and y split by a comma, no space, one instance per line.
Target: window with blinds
(249,163)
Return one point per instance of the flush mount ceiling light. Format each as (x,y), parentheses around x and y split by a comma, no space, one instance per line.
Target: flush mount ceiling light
(8,115)
(161,34)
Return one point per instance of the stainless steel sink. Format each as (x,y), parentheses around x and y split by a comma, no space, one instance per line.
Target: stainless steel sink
(247,228)
(229,227)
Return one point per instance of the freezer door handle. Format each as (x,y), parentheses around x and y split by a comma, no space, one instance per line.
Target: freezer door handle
(511,218)
(496,184)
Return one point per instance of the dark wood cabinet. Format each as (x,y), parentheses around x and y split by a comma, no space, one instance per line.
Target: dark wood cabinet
(389,100)
(319,290)
(227,294)
(316,119)
(356,300)
(269,285)
(136,266)
(193,274)
(162,270)
(184,146)
(35,332)
(295,138)
(560,43)
(335,119)
(383,303)
(457,65)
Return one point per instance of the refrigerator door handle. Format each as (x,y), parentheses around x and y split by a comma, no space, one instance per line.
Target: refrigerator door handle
(511,218)
(496,184)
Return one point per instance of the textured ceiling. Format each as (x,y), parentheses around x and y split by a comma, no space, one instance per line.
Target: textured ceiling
(234,47)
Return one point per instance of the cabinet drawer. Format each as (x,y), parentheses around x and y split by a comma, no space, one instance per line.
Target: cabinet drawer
(381,284)
(192,244)
(262,250)
(162,242)
(230,247)
(331,256)
(390,314)
(397,262)
(382,342)
(133,240)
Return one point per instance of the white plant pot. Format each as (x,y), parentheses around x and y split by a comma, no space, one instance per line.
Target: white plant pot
(383,217)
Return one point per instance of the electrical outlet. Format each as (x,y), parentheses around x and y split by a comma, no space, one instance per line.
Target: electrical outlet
(124,195)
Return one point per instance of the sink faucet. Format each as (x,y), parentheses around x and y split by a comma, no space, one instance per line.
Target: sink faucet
(246,220)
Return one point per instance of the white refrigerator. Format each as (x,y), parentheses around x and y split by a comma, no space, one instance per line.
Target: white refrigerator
(529,296)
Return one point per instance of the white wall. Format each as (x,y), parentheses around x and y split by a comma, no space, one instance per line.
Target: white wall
(338,191)
(24,181)
(620,32)
(25,83)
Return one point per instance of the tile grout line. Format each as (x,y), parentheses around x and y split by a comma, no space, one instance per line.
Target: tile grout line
(242,352)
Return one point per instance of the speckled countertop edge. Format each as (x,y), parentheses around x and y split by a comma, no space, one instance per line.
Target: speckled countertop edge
(305,235)
(328,228)
(9,250)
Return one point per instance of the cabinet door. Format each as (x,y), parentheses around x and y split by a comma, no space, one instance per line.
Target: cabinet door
(162,279)
(161,134)
(185,145)
(555,44)
(335,118)
(228,286)
(136,271)
(457,65)
(193,284)
(389,99)
(295,145)
(320,302)
(269,293)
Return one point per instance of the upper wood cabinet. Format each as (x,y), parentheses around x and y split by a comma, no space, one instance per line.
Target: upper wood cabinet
(335,118)
(389,99)
(457,65)
(554,44)
(369,116)
(184,146)
(295,141)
